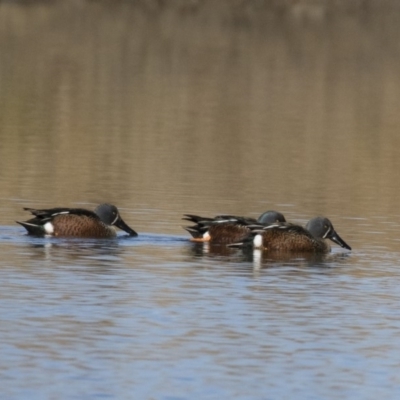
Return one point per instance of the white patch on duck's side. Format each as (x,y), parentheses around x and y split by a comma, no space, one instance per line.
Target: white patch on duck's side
(48,228)
(258,241)
(206,236)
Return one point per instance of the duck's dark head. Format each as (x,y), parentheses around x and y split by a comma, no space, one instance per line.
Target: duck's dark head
(109,214)
(322,228)
(271,217)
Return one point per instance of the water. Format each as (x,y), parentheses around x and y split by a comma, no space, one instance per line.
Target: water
(166,110)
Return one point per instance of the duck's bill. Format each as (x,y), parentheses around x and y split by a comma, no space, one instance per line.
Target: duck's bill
(122,225)
(338,240)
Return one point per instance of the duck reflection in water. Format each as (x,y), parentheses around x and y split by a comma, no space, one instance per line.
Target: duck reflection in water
(269,259)
(211,250)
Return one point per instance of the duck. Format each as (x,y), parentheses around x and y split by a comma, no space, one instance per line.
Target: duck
(76,222)
(227,229)
(293,238)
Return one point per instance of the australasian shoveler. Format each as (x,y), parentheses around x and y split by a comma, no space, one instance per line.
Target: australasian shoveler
(76,222)
(226,229)
(293,238)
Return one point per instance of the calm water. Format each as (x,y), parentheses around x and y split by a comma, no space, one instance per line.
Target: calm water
(172,108)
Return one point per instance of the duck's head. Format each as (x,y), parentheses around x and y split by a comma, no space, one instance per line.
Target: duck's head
(322,228)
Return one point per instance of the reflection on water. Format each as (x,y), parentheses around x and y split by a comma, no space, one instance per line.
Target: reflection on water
(257,259)
(262,258)
(207,249)
(167,108)
(162,309)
